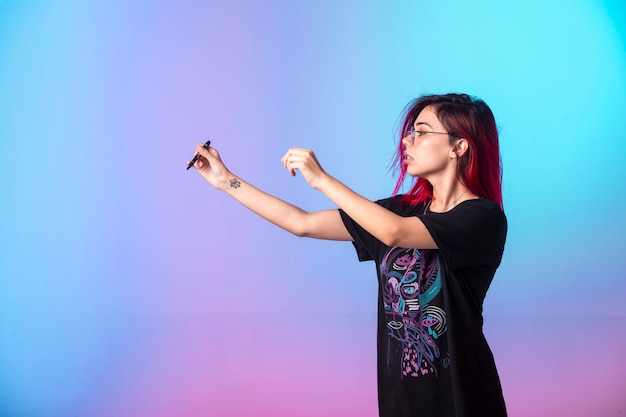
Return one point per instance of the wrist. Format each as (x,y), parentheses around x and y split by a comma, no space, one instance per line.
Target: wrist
(230,183)
(323,183)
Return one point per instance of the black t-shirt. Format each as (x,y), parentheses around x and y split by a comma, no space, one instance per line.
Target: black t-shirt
(433,359)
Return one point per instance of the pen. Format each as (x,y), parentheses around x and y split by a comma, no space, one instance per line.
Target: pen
(197,155)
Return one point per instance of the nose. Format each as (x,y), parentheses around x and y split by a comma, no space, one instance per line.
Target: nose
(406,141)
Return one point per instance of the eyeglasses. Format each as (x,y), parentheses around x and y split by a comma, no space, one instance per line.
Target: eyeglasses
(419,133)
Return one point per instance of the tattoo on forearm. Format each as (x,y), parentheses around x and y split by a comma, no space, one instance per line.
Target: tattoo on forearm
(234,183)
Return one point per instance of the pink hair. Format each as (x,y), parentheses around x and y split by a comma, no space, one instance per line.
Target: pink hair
(480,168)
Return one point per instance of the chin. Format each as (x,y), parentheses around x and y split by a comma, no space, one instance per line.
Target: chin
(413,172)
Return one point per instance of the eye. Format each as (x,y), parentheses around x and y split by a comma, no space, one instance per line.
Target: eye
(420,133)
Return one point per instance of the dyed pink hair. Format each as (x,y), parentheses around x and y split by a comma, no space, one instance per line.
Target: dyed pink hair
(480,168)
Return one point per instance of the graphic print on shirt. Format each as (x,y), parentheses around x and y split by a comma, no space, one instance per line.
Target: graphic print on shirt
(411,280)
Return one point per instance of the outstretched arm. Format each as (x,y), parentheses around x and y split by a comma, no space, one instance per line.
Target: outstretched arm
(388,227)
(326,224)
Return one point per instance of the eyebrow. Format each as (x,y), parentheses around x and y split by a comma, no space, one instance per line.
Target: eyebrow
(422,123)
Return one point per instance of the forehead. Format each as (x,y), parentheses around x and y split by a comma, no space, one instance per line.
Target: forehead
(427,116)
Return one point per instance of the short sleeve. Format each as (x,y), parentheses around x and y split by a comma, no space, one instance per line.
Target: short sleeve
(365,243)
(471,234)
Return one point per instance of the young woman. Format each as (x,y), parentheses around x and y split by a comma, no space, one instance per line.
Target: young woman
(436,251)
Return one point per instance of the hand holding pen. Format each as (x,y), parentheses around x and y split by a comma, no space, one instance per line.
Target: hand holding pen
(197,155)
(209,165)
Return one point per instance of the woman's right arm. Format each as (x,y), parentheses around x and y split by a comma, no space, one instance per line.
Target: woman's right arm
(325,224)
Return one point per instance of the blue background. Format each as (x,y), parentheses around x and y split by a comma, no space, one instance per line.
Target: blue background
(130,287)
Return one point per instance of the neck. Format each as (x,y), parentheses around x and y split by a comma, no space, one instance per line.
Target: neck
(445,198)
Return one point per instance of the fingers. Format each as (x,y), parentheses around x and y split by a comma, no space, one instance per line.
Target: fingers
(207,153)
(300,159)
(201,164)
(297,154)
(203,157)
(292,161)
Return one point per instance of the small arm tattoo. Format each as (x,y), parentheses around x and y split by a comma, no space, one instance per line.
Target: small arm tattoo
(234,183)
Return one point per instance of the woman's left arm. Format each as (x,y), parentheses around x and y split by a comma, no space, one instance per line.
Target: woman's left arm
(386,226)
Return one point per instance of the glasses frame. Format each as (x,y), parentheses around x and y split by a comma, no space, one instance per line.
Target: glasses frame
(414,132)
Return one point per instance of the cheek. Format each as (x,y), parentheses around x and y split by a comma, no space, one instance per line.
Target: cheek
(430,151)
(427,159)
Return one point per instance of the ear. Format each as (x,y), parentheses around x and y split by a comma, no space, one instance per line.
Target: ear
(459,148)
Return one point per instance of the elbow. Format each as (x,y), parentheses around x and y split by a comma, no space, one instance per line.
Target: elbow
(391,242)
(300,233)
(303,227)
(300,230)
(392,237)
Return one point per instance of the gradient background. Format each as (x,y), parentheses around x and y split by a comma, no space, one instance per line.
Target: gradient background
(130,288)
